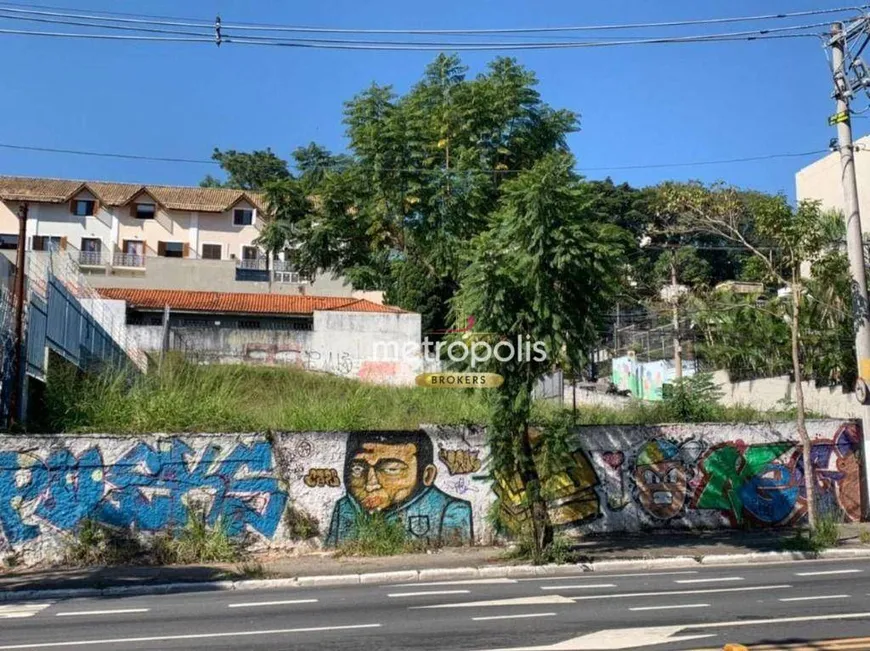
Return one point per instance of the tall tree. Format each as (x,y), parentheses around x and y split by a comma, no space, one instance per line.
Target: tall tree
(423,177)
(749,220)
(247,171)
(544,270)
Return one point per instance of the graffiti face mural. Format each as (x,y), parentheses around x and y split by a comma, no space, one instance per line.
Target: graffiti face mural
(394,474)
(661,478)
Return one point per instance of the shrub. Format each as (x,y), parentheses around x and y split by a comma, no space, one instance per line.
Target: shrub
(301,525)
(693,399)
(375,535)
(559,552)
(197,542)
(94,543)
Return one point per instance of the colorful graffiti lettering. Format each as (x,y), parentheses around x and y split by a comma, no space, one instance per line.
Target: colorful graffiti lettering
(321,477)
(460,462)
(837,470)
(393,473)
(149,488)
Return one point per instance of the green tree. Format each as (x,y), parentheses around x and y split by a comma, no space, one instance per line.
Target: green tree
(749,220)
(288,207)
(692,269)
(423,176)
(247,171)
(544,270)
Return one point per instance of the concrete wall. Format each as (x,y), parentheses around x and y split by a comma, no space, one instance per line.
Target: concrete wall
(706,476)
(778,392)
(50,484)
(365,345)
(822,181)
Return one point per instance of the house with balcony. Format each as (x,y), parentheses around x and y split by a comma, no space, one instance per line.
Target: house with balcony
(156,237)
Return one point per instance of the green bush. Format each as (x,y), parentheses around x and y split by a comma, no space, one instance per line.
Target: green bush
(693,399)
(197,542)
(301,525)
(375,535)
(94,543)
(558,552)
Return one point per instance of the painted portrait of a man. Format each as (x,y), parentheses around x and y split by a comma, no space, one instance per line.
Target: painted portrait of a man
(393,473)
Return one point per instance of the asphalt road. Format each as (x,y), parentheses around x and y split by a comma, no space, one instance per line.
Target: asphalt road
(774,605)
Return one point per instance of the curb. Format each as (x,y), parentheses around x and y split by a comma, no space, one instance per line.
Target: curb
(432,575)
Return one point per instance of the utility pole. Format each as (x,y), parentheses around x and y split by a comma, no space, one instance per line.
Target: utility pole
(18,298)
(675,313)
(854,237)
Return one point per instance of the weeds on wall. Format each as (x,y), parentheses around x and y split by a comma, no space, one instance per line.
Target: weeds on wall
(94,543)
(824,536)
(375,535)
(559,552)
(300,524)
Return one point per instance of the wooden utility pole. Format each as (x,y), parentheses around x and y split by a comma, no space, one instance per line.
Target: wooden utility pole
(675,312)
(18,298)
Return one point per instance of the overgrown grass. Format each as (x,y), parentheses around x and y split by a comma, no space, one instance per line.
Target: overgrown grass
(197,542)
(826,535)
(94,543)
(558,552)
(374,535)
(183,397)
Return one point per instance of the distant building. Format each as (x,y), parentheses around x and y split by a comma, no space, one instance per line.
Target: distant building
(340,335)
(155,236)
(822,180)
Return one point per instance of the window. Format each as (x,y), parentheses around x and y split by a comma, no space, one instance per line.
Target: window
(243,217)
(84,207)
(144,210)
(211,251)
(250,253)
(249,325)
(8,241)
(91,245)
(171,249)
(48,243)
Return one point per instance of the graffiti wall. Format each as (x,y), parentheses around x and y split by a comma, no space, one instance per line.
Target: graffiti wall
(646,380)
(698,477)
(430,481)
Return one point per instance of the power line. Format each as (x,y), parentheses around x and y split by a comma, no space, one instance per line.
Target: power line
(164,159)
(181,22)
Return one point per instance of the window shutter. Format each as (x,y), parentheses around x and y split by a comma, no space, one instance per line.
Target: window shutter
(132,210)
(72,206)
(96,206)
(186,252)
(38,243)
(161,248)
(63,244)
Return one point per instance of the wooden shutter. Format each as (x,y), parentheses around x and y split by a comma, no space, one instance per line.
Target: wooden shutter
(186,252)
(161,248)
(96,206)
(132,210)
(72,206)
(38,243)
(63,244)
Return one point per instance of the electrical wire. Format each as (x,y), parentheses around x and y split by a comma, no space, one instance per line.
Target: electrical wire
(176,22)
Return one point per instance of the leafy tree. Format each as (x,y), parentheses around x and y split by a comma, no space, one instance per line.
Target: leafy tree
(692,269)
(800,235)
(545,270)
(247,171)
(423,177)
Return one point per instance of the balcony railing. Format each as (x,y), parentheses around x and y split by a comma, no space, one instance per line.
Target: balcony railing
(252,265)
(92,258)
(129,260)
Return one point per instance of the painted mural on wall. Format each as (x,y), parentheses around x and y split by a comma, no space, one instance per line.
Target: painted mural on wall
(695,476)
(394,474)
(645,380)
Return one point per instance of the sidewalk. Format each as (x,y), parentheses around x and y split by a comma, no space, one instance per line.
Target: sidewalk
(653,548)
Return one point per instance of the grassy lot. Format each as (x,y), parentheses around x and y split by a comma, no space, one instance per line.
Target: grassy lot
(183,397)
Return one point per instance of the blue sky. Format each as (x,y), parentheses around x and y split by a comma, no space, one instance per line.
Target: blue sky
(639,105)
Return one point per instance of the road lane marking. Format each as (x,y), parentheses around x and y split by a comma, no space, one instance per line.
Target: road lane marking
(518,601)
(827,572)
(605,575)
(717,579)
(20,611)
(827,596)
(190,636)
(588,586)
(287,602)
(626,595)
(119,611)
(465,582)
(520,616)
(674,607)
(394,595)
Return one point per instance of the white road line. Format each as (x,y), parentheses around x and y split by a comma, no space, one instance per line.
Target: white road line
(676,607)
(192,636)
(393,595)
(718,579)
(604,575)
(20,611)
(517,601)
(587,586)
(522,616)
(660,593)
(273,603)
(827,596)
(460,582)
(827,572)
(120,611)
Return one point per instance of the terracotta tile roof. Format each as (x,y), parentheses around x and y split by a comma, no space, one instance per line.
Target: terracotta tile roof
(119,194)
(224,303)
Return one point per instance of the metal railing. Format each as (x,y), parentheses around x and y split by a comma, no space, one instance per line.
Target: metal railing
(255,265)
(128,260)
(91,258)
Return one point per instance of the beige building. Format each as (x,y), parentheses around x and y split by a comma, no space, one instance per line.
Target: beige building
(155,237)
(822,181)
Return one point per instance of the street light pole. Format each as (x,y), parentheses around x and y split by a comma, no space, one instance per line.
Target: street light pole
(18,298)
